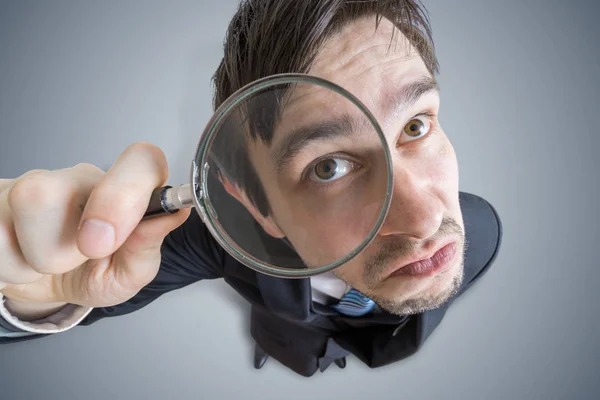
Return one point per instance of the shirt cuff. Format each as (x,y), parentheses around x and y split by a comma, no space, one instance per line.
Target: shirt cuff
(68,317)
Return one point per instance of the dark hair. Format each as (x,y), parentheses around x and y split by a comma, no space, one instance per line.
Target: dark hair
(267,37)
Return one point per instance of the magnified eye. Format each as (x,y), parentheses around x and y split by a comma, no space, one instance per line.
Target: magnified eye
(330,169)
(417,127)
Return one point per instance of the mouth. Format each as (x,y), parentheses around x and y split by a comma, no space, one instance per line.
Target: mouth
(436,263)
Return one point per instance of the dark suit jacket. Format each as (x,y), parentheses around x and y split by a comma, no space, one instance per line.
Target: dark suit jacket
(303,335)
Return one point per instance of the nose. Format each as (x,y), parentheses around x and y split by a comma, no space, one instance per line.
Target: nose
(415,209)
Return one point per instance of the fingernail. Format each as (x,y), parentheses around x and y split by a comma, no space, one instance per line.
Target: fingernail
(97,238)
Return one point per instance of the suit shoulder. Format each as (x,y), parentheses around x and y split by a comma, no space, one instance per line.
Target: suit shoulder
(483,231)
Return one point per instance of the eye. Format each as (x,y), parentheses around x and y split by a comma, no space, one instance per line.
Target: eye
(417,127)
(331,169)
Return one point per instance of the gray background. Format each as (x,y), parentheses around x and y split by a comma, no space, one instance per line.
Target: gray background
(79,81)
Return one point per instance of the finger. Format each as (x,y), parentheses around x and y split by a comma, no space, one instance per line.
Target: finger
(118,203)
(14,268)
(40,291)
(100,284)
(46,207)
(5,183)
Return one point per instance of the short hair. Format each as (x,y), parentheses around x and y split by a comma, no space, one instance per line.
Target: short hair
(267,37)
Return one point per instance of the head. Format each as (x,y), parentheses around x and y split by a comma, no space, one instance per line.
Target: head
(382,52)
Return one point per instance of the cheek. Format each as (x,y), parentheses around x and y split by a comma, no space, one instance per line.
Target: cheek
(327,226)
(443,173)
(442,167)
(322,240)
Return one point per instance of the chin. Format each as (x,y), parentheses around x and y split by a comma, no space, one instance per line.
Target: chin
(410,295)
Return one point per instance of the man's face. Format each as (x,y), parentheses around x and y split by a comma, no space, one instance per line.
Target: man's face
(425,213)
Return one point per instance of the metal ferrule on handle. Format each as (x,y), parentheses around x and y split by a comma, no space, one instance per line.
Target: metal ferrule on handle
(167,200)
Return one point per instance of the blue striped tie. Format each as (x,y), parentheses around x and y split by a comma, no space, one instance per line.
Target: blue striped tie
(354,304)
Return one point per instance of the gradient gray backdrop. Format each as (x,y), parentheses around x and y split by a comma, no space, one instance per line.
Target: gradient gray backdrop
(79,81)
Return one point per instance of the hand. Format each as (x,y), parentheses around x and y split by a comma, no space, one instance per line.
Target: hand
(76,235)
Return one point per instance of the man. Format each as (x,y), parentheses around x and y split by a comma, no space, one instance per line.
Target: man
(74,250)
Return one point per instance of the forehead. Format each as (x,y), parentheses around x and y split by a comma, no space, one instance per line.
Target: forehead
(368,61)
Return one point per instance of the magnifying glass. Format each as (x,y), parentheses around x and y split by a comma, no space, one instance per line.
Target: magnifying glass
(292,176)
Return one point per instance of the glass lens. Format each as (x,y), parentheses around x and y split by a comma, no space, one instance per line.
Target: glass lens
(295,176)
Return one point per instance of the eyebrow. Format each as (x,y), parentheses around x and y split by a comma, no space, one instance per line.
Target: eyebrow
(294,142)
(410,93)
(297,140)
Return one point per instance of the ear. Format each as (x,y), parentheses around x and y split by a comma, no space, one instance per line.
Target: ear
(267,223)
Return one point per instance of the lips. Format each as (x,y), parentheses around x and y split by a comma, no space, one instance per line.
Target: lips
(429,265)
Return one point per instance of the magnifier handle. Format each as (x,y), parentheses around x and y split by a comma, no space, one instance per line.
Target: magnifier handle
(167,200)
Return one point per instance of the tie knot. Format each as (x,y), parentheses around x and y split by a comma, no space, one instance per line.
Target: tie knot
(354,304)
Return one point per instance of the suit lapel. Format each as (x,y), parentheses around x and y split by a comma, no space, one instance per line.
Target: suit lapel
(288,298)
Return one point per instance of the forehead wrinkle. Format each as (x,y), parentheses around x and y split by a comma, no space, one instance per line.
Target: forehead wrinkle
(362,62)
(388,74)
(360,39)
(350,58)
(343,62)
